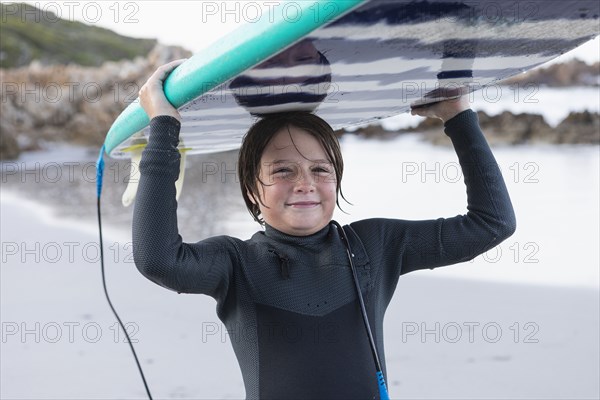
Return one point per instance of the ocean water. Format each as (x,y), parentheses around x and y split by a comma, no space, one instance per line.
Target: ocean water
(554,189)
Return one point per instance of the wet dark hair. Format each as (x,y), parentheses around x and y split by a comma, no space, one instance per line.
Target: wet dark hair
(258,137)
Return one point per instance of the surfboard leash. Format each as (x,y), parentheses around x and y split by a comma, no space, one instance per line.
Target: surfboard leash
(383,393)
(99,176)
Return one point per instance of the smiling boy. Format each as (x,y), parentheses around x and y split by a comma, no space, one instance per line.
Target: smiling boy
(296,273)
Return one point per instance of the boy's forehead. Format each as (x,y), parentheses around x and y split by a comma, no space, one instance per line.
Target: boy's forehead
(289,144)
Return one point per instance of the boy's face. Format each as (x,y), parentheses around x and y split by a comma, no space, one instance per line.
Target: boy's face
(298,183)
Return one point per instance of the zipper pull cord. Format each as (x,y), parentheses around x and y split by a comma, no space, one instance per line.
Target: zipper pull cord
(284,264)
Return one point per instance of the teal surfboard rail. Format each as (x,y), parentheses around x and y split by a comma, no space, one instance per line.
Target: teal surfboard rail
(238,51)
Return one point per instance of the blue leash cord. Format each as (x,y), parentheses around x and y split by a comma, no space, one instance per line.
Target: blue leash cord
(99,175)
(383,393)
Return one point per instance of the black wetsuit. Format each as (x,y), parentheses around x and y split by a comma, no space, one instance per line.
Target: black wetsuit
(289,302)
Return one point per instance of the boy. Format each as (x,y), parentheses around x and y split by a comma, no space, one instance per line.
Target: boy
(295,275)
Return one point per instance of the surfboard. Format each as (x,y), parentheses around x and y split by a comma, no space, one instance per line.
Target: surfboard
(355,61)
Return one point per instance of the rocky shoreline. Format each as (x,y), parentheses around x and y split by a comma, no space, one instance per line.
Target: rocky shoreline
(75,104)
(507,129)
(572,73)
(516,129)
(70,103)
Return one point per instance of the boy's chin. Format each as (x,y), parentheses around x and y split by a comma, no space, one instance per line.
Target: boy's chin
(304,228)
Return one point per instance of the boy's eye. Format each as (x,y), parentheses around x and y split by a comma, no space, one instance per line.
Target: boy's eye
(285,173)
(321,169)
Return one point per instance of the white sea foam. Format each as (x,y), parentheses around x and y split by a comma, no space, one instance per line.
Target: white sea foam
(47,217)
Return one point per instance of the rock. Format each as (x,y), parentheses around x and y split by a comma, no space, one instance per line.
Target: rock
(571,73)
(9,147)
(504,128)
(515,129)
(429,124)
(579,127)
(163,54)
(373,131)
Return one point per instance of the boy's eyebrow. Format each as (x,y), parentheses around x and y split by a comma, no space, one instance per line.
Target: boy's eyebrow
(320,161)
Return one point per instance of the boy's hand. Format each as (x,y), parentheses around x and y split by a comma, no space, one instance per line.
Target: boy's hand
(443,110)
(152,96)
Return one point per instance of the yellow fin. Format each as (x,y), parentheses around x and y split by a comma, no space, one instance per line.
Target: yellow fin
(134,174)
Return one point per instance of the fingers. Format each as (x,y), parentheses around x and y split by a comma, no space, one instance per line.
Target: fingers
(157,78)
(424,110)
(164,70)
(444,109)
(416,111)
(151,94)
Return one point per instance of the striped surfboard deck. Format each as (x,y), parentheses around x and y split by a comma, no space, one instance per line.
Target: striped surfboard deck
(354,61)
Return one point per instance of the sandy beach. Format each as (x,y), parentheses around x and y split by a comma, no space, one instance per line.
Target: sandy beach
(445,338)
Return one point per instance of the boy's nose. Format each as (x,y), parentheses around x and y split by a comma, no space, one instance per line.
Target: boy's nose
(305,182)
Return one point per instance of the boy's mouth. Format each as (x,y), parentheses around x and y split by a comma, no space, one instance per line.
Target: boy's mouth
(303,204)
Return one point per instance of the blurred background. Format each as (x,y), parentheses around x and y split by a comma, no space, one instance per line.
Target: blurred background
(521,321)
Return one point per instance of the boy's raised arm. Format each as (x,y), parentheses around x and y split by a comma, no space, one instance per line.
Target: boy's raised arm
(489,220)
(490,217)
(158,250)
